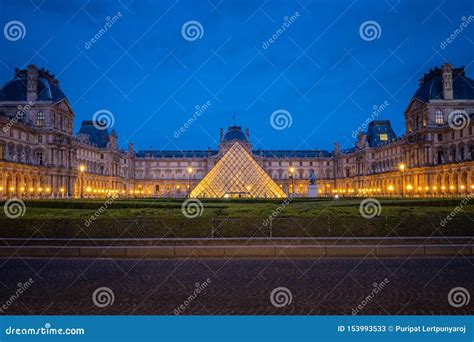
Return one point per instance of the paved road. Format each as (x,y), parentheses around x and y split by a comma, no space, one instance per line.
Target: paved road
(326,286)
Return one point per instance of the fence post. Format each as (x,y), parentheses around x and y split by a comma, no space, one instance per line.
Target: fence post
(212,228)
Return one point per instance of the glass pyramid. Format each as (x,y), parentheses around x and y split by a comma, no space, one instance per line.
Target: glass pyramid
(237,175)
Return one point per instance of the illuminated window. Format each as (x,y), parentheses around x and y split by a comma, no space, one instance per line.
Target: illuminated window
(383,137)
(40,119)
(439,117)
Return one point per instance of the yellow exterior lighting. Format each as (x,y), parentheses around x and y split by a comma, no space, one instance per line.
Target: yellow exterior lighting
(409,187)
(401,167)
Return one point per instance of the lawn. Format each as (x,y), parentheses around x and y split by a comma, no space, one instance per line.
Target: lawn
(231,218)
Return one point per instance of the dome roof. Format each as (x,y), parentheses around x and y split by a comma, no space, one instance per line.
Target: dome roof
(431,87)
(47,87)
(235,133)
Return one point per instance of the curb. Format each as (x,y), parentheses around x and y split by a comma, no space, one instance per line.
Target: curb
(244,251)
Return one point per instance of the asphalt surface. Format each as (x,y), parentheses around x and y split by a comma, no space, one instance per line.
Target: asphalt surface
(230,287)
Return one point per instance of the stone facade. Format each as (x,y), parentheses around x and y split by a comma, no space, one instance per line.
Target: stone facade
(40,157)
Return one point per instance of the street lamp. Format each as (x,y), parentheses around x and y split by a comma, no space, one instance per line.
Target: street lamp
(82,168)
(401,167)
(190,170)
(292,176)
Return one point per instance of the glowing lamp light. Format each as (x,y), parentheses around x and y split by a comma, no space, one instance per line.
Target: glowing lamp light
(88,189)
(226,196)
(1,188)
(22,189)
(419,188)
(48,189)
(435,188)
(12,188)
(61,190)
(31,189)
(443,188)
(463,187)
(451,187)
(190,169)
(409,187)
(401,167)
(40,189)
(427,188)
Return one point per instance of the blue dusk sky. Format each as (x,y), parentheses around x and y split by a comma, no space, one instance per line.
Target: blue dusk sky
(245,58)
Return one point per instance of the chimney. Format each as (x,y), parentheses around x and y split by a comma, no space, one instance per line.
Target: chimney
(222,134)
(247,132)
(32,83)
(447,81)
(337,148)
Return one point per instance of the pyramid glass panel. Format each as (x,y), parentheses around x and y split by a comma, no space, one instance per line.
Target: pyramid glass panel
(237,175)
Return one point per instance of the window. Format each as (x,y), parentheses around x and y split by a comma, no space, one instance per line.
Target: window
(439,117)
(383,137)
(39,158)
(40,119)
(440,137)
(40,138)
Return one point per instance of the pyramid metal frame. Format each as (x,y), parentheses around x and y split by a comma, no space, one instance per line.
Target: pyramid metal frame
(237,174)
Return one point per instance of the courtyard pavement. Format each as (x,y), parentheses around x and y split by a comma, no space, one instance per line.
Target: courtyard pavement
(240,286)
